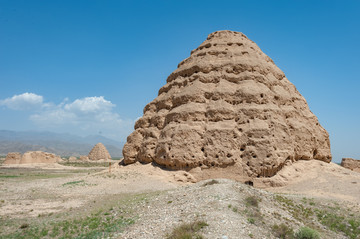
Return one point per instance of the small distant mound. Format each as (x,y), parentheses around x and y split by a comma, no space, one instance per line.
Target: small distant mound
(351,164)
(99,152)
(72,158)
(31,157)
(81,158)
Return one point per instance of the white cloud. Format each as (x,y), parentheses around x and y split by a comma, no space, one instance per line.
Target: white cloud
(88,109)
(89,105)
(25,101)
(84,116)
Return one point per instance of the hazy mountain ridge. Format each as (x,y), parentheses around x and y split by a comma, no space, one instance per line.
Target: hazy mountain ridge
(61,144)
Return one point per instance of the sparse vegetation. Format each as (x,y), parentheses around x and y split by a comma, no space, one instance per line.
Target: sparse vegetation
(85,164)
(24,225)
(307,233)
(252,212)
(283,231)
(331,217)
(74,182)
(350,226)
(97,225)
(252,201)
(9,176)
(297,210)
(32,174)
(103,216)
(188,231)
(251,220)
(212,182)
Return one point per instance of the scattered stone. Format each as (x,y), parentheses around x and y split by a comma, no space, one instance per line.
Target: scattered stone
(228,104)
(351,164)
(99,152)
(184,177)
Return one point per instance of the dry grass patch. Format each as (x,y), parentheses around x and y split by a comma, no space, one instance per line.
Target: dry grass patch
(211,182)
(283,231)
(188,231)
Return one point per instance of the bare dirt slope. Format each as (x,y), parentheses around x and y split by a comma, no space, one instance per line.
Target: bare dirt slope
(308,189)
(317,179)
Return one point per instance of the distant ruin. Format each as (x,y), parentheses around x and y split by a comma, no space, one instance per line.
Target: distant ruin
(351,164)
(31,157)
(99,152)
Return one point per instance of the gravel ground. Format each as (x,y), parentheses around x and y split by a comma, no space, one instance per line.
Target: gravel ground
(222,205)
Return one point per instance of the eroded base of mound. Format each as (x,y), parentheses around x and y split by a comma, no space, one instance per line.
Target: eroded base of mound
(307,177)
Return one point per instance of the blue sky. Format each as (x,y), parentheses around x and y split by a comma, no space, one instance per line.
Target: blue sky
(85,67)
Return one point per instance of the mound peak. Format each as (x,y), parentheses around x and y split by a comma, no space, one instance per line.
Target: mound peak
(227,104)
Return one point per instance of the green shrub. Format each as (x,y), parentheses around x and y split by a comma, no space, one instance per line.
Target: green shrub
(251,220)
(252,201)
(307,233)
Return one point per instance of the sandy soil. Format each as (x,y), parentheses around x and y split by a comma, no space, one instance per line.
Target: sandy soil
(30,191)
(29,196)
(53,194)
(316,179)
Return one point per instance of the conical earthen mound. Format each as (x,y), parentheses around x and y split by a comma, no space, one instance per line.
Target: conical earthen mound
(227,104)
(99,152)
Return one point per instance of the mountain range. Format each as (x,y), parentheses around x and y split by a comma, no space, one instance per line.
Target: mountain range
(60,144)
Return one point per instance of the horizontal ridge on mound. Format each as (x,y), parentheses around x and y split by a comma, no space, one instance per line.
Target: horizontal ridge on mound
(227,104)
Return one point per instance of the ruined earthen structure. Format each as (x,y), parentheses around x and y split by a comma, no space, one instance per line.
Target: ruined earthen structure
(72,158)
(84,158)
(39,157)
(31,157)
(351,164)
(13,158)
(227,104)
(99,152)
